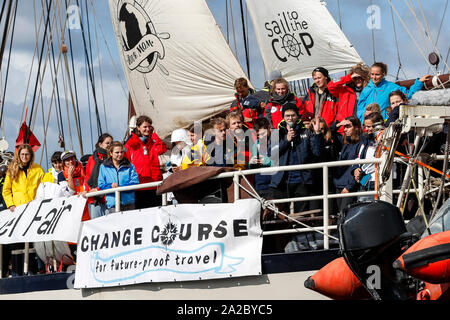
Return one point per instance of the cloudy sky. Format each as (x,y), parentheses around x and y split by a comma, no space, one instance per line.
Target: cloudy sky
(110,85)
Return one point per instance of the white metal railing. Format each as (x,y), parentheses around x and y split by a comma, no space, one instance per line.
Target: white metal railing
(267,170)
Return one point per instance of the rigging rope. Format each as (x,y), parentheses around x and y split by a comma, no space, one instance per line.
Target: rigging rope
(3,97)
(234,32)
(421,27)
(373,39)
(109,52)
(245,39)
(91,77)
(5,32)
(101,78)
(269,205)
(409,33)
(57,98)
(396,45)
(91,57)
(41,54)
(439,33)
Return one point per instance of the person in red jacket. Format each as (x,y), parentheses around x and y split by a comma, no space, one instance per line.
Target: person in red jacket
(319,100)
(280,95)
(347,91)
(142,149)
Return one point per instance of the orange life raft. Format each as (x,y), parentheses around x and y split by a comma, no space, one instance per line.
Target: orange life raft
(428,259)
(337,281)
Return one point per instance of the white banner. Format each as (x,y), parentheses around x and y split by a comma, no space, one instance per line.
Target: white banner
(173,243)
(297,36)
(43,220)
(178,65)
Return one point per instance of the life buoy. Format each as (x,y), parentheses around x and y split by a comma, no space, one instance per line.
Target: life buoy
(337,281)
(428,259)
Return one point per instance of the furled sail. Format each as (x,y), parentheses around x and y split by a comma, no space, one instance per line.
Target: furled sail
(179,67)
(296,36)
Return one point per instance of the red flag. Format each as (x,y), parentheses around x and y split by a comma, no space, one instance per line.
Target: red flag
(26,133)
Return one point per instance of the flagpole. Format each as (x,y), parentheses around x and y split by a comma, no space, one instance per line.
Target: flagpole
(26,111)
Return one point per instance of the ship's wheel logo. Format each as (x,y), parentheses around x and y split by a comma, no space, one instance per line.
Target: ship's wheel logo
(168,234)
(291,46)
(142,45)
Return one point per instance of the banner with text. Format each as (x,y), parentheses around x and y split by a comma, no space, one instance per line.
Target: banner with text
(173,243)
(43,220)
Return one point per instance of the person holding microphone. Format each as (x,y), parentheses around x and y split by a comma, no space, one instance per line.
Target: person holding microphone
(298,145)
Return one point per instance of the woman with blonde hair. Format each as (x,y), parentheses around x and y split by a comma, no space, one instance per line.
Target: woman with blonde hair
(22,178)
(21,183)
(347,90)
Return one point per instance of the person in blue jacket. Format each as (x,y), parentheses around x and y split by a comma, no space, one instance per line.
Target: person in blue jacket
(117,171)
(298,145)
(379,88)
(344,180)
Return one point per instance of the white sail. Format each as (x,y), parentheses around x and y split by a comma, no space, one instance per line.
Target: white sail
(178,66)
(296,36)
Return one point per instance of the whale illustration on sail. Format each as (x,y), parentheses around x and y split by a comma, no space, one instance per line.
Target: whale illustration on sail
(296,36)
(178,66)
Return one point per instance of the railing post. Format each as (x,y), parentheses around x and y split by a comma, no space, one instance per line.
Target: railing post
(26,262)
(1,260)
(420,182)
(326,239)
(236,185)
(117,194)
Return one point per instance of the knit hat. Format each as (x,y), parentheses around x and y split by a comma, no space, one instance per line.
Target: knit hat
(67,154)
(307,116)
(289,106)
(274,74)
(323,71)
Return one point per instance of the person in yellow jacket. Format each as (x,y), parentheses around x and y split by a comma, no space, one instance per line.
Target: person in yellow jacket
(57,167)
(197,155)
(22,178)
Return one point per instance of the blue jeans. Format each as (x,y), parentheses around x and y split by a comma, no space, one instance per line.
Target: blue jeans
(96,211)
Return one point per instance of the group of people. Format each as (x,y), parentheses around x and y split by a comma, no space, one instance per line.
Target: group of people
(113,164)
(336,120)
(272,127)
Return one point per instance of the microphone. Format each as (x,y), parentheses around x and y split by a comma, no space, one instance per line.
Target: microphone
(291,125)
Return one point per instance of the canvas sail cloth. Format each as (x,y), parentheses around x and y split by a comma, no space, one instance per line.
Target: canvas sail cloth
(297,36)
(178,66)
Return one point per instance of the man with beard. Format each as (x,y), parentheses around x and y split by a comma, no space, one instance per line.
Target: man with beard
(281,95)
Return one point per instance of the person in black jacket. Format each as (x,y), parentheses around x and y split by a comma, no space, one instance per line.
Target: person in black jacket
(298,145)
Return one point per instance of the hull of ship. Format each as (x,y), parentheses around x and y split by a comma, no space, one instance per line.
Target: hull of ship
(282,279)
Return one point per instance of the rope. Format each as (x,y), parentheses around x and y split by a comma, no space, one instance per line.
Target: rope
(373,39)
(245,39)
(91,76)
(409,33)
(36,44)
(444,171)
(109,52)
(8,65)
(396,45)
(57,98)
(101,78)
(427,34)
(234,32)
(267,204)
(58,10)
(41,55)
